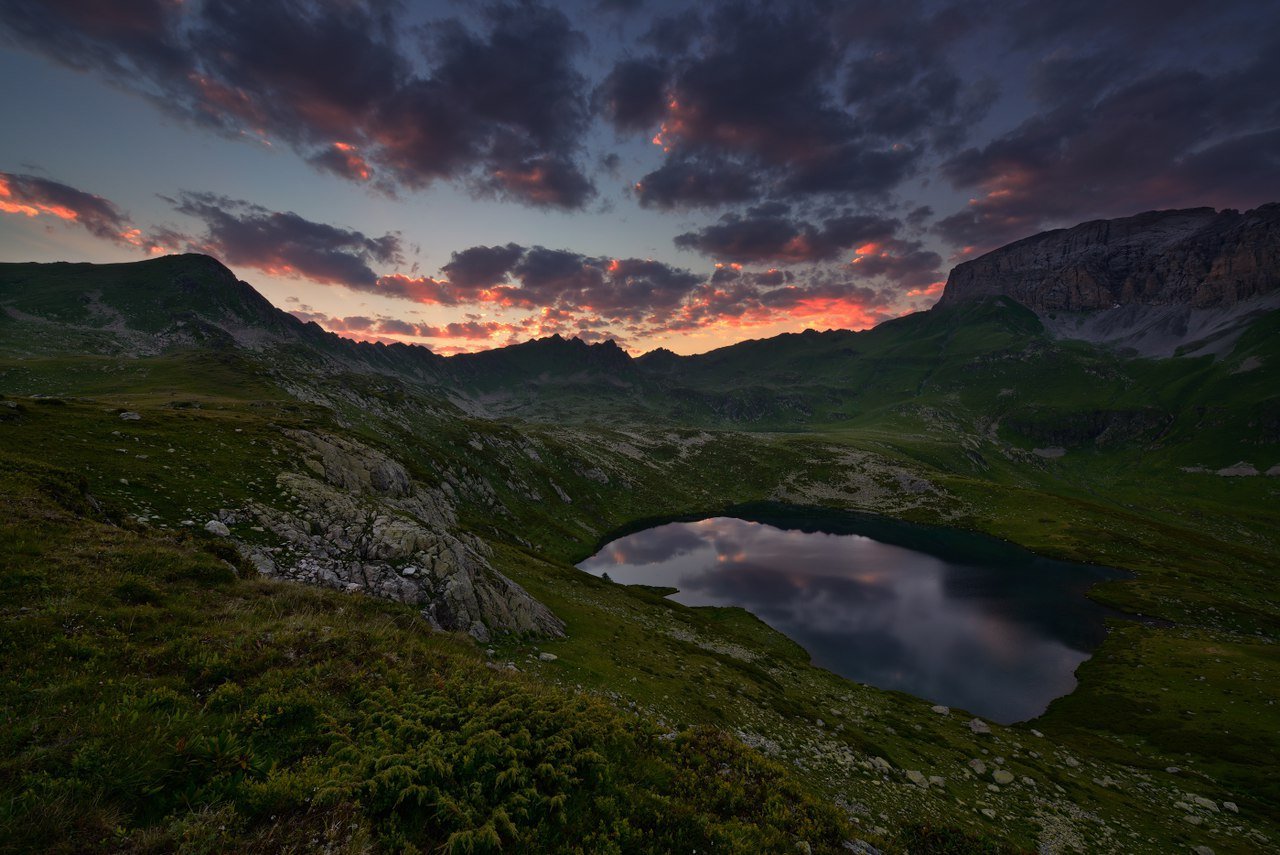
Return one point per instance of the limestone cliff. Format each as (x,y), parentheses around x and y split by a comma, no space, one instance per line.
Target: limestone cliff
(1155,281)
(1197,257)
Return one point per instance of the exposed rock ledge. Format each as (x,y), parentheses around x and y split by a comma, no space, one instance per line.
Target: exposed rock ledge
(1157,282)
(359,522)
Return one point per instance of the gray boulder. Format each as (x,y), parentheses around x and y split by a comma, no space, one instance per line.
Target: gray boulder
(217,528)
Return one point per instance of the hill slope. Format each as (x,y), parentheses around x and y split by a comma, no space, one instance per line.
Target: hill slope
(347,466)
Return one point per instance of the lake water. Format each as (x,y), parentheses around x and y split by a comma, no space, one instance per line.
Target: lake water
(949,616)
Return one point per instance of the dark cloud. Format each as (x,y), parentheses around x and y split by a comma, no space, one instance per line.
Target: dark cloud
(124,40)
(1134,22)
(393,326)
(770,234)
(482,266)
(1135,106)
(33,196)
(504,109)
(633,95)
(286,244)
(906,263)
(1171,138)
(823,299)
(693,179)
(752,107)
(549,279)
(621,6)
(919,216)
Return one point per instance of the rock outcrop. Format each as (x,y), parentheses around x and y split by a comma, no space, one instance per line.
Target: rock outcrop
(357,521)
(1197,257)
(1154,282)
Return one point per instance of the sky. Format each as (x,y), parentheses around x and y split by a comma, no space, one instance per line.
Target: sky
(680,175)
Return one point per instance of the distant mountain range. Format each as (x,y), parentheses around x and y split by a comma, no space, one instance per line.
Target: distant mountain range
(1158,284)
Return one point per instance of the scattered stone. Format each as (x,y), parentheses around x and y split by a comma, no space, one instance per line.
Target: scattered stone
(1209,804)
(1231,806)
(130,417)
(1172,770)
(917,777)
(937,781)
(1203,850)
(547,657)
(1241,469)
(940,709)
(978,767)
(1002,776)
(861,847)
(1072,762)
(217,528)
(988,813)
(881,764)
(979,726)
(1192,819)
(1028,781)
(1035,732)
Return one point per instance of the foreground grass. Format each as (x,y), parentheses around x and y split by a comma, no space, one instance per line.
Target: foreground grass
(154,700)
(96,762)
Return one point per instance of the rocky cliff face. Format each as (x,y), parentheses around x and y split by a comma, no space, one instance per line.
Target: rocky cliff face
(357,521)
(1199,257)
(1159,283)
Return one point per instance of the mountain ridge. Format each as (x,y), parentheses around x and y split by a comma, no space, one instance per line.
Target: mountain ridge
(1160,282)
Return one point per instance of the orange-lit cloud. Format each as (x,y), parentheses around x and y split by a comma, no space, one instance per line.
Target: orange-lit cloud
(346,160)
(33,196)
(931,290)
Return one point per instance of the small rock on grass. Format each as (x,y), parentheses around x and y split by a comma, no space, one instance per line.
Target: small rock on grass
(548,657)
(977,725)
(216,527)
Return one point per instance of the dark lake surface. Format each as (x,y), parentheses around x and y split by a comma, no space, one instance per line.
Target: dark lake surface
(949,616)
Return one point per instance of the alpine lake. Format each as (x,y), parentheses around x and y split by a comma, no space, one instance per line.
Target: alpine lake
(949,616)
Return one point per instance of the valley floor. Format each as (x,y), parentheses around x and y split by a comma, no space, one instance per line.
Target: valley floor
(158,695)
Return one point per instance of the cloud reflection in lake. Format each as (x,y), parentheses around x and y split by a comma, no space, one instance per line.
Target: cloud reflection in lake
(1001,637)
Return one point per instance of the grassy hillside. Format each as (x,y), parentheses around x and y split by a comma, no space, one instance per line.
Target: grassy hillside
(1067,449)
